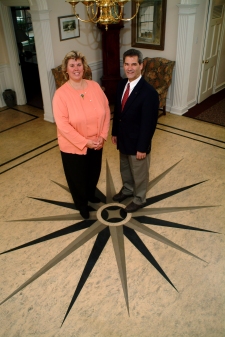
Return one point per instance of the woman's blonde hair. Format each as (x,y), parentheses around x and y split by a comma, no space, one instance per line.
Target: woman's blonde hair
(75,55)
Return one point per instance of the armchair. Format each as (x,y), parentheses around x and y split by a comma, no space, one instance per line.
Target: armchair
(158,72)
(60,79)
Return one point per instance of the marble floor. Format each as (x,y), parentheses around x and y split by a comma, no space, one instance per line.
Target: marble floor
(157,273)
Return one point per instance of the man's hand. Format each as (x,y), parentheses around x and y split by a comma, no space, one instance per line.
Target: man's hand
(114,140)
(140,155)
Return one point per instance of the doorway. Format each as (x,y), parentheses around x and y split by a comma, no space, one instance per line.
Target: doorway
(212,49)
(27,55)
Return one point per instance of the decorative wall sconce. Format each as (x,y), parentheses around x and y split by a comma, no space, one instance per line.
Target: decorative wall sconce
(104,12)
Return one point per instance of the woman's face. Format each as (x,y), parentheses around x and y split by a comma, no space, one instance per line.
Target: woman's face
(75,69)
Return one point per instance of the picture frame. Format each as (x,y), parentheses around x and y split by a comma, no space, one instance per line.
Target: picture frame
(68,27)
(148,27)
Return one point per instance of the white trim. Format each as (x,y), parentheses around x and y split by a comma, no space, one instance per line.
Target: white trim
(97,71)
(5,81)
(220,87)
(192,103)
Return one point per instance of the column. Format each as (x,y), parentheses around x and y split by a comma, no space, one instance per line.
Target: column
(186,24)
(43,43)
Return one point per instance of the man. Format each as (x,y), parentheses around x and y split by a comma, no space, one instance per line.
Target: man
(134,125)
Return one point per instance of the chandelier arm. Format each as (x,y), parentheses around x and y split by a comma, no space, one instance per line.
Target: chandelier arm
(82,20)
(92,19)
(137,8)
(116,15)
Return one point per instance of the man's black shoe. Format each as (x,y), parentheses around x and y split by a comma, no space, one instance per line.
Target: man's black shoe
(132,207)
(120,196)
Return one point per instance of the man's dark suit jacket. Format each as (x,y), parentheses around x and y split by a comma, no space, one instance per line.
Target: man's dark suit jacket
(134,127)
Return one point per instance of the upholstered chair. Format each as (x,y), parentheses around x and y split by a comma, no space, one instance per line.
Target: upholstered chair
(158,72)
(60,79)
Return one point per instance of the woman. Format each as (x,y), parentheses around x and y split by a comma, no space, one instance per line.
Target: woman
(82,116)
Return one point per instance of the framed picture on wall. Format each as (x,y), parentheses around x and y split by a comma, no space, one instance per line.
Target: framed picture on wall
(68,27)
(148,27)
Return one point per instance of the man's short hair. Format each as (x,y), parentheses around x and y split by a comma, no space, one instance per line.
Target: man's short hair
(133,52)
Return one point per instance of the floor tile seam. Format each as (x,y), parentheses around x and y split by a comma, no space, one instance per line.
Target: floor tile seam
(193,133)
(26,153)
(194,139)
(15,126)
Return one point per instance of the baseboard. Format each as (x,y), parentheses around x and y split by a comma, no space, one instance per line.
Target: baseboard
(220,87)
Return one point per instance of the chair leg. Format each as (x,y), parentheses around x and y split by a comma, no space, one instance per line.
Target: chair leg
(164,110)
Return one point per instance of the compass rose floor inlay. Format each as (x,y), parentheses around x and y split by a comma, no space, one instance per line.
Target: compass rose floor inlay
(157,272)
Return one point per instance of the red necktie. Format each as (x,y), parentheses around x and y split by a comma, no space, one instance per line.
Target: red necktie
(125,96)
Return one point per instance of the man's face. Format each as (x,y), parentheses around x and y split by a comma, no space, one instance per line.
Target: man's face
(132,68)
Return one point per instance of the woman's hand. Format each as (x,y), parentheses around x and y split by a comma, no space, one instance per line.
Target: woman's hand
(100,143)
(97,145)
(91,144)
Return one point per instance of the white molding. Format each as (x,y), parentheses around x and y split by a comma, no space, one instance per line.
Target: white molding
(169,98)
(97,71)
(220,87)
(3,85)
(192,103)
(5,82)
(186,25)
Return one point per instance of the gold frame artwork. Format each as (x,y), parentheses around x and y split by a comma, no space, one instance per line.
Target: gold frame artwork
(148,27)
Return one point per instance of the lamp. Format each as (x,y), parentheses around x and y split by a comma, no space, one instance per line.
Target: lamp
(105,12)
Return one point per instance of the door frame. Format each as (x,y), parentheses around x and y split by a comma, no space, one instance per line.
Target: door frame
(222,32)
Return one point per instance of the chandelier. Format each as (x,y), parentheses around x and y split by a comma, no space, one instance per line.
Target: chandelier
(105,12)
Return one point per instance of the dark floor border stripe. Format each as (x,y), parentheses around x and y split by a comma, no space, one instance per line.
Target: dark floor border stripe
(196,140)
(28,152)
(29,159)
(3,109)
(192,133)
(24,112)
(15,126)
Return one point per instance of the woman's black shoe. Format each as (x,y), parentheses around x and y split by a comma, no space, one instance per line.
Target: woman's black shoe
(94,200)
(84,212)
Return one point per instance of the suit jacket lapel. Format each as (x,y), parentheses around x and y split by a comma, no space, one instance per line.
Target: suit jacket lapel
(133,95)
